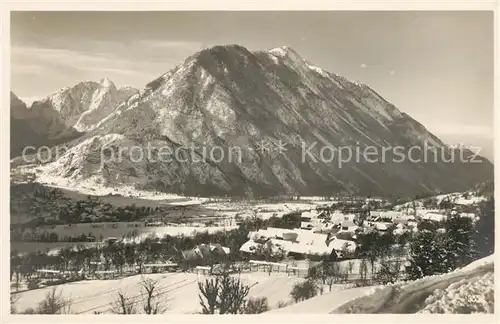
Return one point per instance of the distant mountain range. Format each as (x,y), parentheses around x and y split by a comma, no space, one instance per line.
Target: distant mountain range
(228,96)
(65,114)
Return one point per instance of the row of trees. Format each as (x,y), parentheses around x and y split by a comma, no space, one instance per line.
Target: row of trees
(149,249)
(118,255)
(53,237)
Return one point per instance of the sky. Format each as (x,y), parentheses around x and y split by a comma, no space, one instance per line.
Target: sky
(435,66)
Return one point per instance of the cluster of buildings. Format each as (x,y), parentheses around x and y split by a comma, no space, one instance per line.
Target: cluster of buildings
(333,233)
(205,251)
(298,243)
(321,234)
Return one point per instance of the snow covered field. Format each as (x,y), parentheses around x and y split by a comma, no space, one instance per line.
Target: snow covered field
(126,195)
(116,195)
(178,290)
(90,187)
(454,197)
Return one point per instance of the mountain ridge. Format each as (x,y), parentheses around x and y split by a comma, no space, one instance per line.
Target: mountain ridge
(64,114)
(226,96)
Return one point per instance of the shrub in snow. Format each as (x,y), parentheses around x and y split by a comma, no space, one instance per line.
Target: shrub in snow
(281,304)
(28,311)
(304,290)
(256,305)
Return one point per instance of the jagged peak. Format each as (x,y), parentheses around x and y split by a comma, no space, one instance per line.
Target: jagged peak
(219,52)
(106,82)
(13,96)
(16,100)
(283,51)
(225,48)
(128,88)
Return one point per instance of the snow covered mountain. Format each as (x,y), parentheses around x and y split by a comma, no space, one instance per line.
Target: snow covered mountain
(63,115)
(79,107)
(229,97)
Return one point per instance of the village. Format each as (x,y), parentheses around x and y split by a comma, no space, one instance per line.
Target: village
(366,239)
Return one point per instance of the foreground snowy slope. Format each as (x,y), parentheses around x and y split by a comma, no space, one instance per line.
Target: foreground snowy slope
(323,304)
(412,297)
(468,295)
(466,290)
(177,290)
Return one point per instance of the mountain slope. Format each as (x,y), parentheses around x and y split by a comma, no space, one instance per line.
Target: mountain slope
(21,132)
(231,98)
(26,131)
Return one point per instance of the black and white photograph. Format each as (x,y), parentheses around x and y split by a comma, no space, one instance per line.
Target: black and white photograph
(251,162)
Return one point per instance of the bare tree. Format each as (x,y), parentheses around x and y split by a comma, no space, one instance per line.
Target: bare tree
(54,303)
(270,253)
(151,297)
(363,270)
(414,208)
(17,282)
(123,305)
(330,273)
(350,266)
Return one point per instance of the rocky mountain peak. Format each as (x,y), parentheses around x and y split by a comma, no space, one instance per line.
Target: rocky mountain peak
(107,83)
(284,51)
(227,96)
